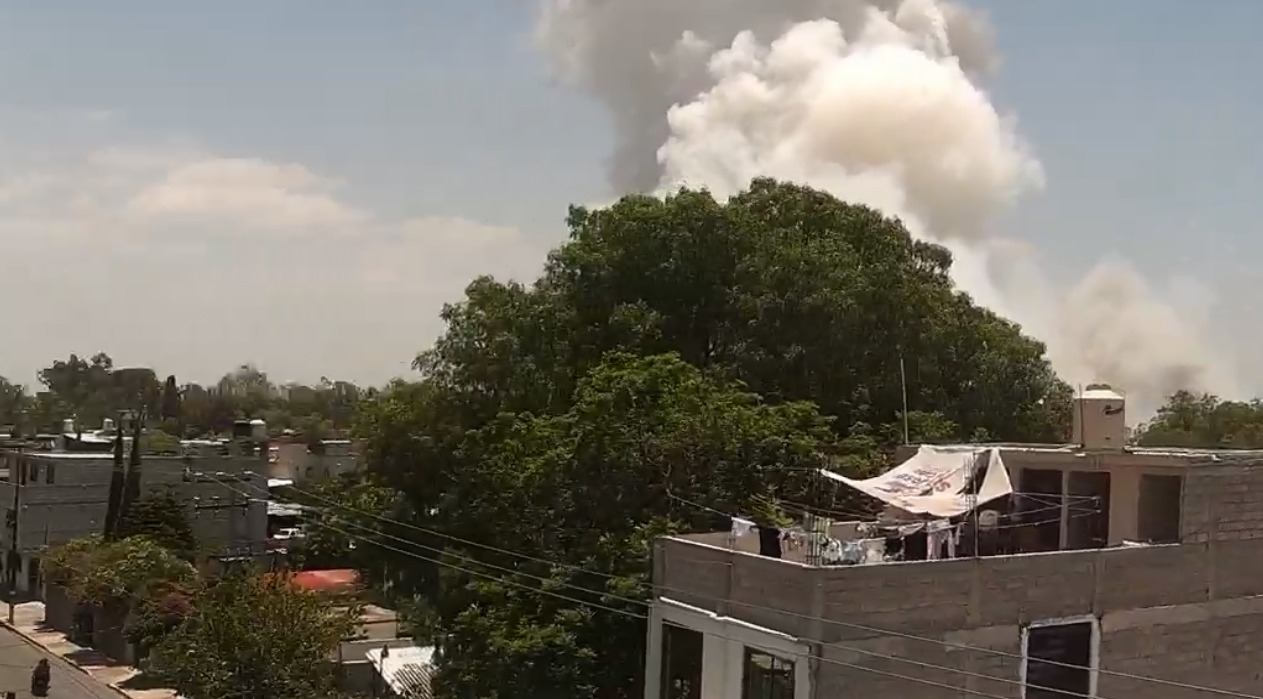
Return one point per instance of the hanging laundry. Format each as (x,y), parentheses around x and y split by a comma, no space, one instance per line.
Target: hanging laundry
(833,553)
(741,527)
(938,535)
(852,553)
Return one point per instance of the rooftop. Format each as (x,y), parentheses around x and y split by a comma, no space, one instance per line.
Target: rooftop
(957,501)
(407,671)
(337,580)
(1202,454)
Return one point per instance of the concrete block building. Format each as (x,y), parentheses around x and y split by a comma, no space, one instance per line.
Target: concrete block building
(302,463)
(1139,578)
(51,497)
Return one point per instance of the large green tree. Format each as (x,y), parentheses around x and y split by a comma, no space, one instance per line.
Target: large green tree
(527,433)
(159,517)
(13,404)
(1204,421)
(799,295)
(83,387)
(644,437)
(119,572)
(253,637)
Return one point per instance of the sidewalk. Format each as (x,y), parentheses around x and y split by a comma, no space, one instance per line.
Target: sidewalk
(28,621)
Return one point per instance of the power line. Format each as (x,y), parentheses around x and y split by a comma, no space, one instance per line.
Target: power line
(446,564)
(838,646)
(511,571)
(725,635)
(842,624)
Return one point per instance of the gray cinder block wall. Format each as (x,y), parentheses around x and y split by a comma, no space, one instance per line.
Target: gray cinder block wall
(1191,612)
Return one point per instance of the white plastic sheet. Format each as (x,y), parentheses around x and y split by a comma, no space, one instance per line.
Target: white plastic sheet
(935,481)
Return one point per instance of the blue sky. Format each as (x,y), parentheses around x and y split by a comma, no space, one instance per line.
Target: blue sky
(1143,113)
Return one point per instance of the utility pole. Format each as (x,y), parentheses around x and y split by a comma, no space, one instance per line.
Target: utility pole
(12,554)
(903,388)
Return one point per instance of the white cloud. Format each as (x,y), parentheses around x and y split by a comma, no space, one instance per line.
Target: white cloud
(245,190)
(193,262)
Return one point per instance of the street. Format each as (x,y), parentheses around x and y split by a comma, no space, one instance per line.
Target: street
(18,659)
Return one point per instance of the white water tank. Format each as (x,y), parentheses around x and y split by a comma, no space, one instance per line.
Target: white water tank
(1100,418)
(68,426)
(107,425)
(258,430)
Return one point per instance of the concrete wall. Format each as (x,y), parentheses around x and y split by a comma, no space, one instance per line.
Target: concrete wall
(1222,503)
(295,461)
(75,503)
(1126,468)
(1186,613)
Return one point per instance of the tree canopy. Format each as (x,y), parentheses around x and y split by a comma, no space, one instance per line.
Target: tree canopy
(675,349)
(119,572)
(1204,421)
(94,389)
(159,517)
(253,637)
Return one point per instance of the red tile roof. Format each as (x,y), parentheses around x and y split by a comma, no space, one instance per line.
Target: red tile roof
(337,580)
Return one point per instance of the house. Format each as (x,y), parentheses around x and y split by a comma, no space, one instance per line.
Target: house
(303,462)
(56,495)
(377,630)
(1093,569)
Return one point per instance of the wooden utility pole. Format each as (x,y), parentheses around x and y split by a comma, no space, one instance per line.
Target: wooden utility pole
(13,555)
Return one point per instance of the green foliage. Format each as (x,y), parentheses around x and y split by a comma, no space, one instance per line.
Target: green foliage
(1204,421)
(83,386)
(120,572)
(715,351)
(159,443)
(596,484)
(13,404)
(341,503)
(253,637)
(91,390)
(156,616)
(160,518)
(171,400)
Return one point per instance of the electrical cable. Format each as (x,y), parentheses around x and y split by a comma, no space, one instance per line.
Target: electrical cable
(838,646)
(472,572)
(858,627)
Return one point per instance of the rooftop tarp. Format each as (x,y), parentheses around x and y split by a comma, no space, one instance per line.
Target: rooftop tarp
(936,481)
(332,580)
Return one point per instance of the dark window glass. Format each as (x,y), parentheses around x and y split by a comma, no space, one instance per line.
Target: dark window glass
(767,676)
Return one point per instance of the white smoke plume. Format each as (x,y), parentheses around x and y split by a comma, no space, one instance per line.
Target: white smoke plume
(879,102)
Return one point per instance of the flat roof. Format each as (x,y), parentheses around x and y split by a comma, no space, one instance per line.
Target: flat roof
(1219,455)
(408,671)
(332,580)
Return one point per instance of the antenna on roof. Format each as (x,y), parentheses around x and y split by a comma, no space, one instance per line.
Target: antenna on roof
(903,387)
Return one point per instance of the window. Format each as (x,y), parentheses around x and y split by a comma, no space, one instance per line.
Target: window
(34,473)
(682,663)
(50,472)
(767,676)
(1059,660)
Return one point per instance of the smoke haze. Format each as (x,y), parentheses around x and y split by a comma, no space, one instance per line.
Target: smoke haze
(879,102)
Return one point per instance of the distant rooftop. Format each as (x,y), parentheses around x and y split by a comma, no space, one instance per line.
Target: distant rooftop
(333,580)
(407,671)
